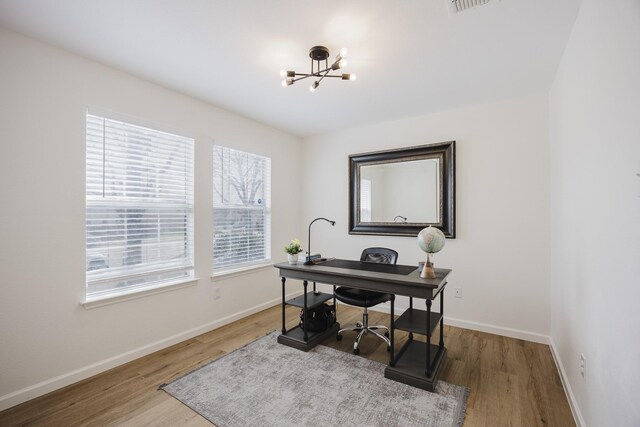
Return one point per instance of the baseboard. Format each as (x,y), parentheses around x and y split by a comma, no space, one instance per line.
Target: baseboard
(481,327)
(573,403)
(519,334)
(44,387)
(498,330)
(31,392)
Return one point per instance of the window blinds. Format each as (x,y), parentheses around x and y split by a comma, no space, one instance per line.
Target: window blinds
(241,208)
(365,200)
(139,206)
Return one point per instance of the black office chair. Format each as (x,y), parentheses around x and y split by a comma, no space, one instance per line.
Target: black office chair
(366,299)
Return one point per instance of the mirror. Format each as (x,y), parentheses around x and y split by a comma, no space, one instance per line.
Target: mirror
(399,192)
(387,192)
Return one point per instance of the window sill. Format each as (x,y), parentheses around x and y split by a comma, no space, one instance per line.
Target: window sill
(239,271)
(137,293)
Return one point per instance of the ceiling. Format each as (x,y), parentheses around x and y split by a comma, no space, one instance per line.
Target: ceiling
(411,57)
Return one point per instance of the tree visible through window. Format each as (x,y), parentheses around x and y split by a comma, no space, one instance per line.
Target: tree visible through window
(139,207)
(241,208)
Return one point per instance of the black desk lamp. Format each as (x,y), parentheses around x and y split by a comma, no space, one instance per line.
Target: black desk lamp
(308,261)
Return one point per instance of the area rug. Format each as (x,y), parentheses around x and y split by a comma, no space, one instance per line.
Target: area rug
(269,384)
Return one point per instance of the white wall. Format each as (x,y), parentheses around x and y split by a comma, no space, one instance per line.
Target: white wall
(500,256)
(47,338)
(595,212)
(393,191)
(401,195)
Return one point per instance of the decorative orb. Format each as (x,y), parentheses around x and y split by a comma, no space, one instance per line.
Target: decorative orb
(431,240)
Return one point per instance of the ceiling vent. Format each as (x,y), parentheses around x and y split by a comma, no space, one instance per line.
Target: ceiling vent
(457,6)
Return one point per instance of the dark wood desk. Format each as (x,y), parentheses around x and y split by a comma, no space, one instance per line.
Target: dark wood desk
(416,363)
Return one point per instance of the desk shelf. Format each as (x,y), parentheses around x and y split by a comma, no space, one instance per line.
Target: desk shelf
(414,320)
(295,337)
(313,299)
(411,365)
(418,363)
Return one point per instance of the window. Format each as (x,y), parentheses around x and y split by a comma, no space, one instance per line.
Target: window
(241,208)
(365,200)
(139,207)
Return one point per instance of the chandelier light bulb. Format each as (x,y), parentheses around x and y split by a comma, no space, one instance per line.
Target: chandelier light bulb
(284,83)
(287,82)
(314,86)
(285,73)
(340,63)
(348,77)
(343,52)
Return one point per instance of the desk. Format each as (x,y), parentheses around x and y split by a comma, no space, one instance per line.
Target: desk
(416,363)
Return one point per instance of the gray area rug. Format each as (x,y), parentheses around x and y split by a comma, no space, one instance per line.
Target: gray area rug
(270,384)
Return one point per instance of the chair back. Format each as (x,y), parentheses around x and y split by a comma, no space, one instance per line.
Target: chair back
(379,255)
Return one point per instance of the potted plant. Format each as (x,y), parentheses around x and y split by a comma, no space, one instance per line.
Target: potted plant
(293,249)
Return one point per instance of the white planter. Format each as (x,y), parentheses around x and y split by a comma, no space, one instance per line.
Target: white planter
(293,259)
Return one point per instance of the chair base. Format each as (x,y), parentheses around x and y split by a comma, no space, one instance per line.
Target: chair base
(364,329)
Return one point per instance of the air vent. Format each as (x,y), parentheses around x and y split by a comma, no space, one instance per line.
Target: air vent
(457,6)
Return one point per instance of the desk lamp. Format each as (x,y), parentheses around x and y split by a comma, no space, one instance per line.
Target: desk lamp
(309,261)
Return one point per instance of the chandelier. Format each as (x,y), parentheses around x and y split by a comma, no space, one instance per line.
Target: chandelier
(317,55)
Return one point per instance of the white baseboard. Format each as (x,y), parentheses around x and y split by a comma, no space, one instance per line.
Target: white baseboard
(477,326)
(519,334)
(573,403)
(498,330)
(44,387)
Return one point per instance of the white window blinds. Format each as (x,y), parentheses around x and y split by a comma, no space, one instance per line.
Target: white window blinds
(139,207)
(365,200)
(241,208)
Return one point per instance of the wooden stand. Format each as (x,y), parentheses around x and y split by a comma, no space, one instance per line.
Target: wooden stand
(427,270)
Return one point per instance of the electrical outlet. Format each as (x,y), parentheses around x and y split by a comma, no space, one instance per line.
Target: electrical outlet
(583,365)
(216,293)
(457,292)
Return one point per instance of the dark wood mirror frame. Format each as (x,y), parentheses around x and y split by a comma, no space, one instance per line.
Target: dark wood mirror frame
(444,150)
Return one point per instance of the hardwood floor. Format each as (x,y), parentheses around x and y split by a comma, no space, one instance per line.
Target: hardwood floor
(512,382)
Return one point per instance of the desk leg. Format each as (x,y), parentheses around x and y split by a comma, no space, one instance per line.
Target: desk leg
(335,307)
(428,338)
(410,308)
(441,344)
(306,324)
(391,329)
(284,328)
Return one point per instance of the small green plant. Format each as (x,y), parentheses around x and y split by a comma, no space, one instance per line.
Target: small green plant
(294,247)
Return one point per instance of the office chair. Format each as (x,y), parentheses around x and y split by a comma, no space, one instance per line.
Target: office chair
(366,299)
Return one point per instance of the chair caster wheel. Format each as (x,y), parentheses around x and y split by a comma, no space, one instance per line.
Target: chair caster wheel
(386,334)
(389,348)
(339,337)
(356,351)
(358,324)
